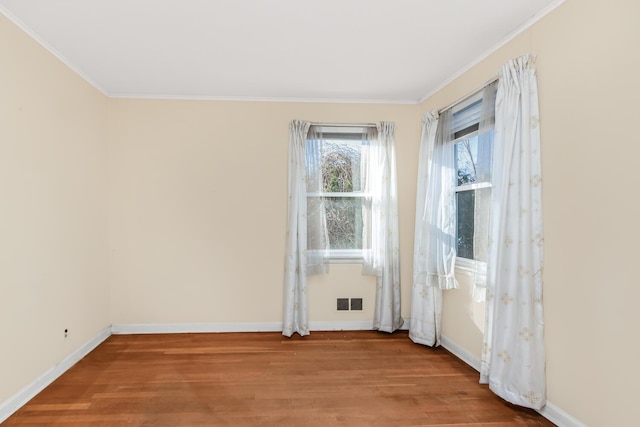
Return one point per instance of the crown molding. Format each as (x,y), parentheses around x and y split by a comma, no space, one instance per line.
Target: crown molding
(263,99)
(35,36)
(535,18)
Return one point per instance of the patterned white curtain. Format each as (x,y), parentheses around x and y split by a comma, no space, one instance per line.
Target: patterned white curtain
(299,262)
(426,300)
(513,361)
(383,259)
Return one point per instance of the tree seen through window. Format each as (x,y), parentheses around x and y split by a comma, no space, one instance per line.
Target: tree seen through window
(341,174)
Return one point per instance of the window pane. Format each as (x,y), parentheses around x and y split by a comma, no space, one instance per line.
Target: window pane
(482,204)
(465,202)
(341,166)
(473,159)
(344,222)
(472,234)
(334,165)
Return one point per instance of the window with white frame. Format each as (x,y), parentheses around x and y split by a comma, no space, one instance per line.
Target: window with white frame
(341,154)
(473,149)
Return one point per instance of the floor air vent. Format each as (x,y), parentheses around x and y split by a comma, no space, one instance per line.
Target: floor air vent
(346,304)
(356,303)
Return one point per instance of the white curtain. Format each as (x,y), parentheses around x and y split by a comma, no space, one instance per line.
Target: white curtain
(383,259)
(434,248)
(426,299)
(513,358)
(482,198)
(299,262)
(435,228)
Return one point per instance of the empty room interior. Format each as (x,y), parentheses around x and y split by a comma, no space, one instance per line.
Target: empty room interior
(145,182)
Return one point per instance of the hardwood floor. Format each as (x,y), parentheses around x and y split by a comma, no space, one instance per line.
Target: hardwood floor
(362,378)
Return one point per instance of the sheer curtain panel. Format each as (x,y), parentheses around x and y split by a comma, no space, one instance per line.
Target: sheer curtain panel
(513,361)
(438,238)
(299,263)
(426,299)
(482,203)
(383,259)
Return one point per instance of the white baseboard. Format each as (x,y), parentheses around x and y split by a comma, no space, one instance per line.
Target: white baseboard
(11,405)
(186,328)
(460,353)
(354,325)
(560,417)
(550,411)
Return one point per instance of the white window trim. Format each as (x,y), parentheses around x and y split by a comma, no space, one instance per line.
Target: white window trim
(467,101)
(344,256)
(472,186)
(466,136)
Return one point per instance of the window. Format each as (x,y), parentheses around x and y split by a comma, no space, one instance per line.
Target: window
(473,151)
(340,153)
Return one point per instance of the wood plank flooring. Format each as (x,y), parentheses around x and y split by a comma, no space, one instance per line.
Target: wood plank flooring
(362,378)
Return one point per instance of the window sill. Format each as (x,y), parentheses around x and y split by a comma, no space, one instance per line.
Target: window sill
(342,256)
(471,268)
(346,256)
(346,260)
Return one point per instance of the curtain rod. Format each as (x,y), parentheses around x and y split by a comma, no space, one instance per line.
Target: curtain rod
(459,100)
(354,125)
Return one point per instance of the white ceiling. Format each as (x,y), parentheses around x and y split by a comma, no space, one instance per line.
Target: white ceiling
(338,50)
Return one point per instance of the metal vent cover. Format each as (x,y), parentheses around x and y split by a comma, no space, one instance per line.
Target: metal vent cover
(342,304)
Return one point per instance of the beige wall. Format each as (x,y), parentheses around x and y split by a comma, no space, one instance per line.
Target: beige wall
(198,196)
(53,240)
(587,67)
(196,203)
